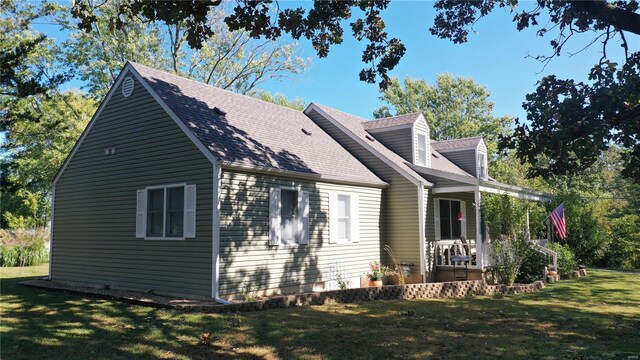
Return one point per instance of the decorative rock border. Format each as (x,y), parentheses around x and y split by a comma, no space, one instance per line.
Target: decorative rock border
(569,276)
(440,290)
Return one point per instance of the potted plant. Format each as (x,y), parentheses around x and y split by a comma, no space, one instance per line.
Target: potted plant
(376,272)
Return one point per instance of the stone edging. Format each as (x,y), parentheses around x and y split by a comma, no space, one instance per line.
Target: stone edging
(388,292)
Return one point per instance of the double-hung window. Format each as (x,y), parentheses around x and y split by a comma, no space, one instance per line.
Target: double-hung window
(288,216)
(344,219)
(482,166)
(422,149)
(166,212)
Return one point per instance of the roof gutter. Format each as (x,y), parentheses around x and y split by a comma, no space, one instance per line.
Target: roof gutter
(444,174)
(297,174)
(523,193)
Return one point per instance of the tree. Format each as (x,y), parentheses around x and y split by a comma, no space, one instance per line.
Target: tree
(454,107)
(229,60)
(41,123)
(280,99)
(571,123)
(34,150)
(322,25)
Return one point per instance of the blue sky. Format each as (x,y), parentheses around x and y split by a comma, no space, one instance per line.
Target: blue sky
(495,57)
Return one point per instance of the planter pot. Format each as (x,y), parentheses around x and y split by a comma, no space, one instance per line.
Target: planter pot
(375,283)
(552,273)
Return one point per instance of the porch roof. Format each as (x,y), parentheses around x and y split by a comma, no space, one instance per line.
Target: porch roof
(496,187)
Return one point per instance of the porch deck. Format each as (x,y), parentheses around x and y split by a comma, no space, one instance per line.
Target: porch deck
(457,260)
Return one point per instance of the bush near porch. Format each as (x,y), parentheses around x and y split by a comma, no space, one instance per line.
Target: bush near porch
(592,317)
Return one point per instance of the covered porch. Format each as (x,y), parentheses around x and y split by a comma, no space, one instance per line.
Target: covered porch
(462,247)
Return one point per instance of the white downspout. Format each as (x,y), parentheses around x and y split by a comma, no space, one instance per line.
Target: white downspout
(215,246)
(53,207)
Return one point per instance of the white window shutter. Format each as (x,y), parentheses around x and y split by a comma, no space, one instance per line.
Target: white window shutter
(355,218)
(303,214)
(436,208)
(274,216)
(333,218)
(463,223)
(190,211)
(141,213)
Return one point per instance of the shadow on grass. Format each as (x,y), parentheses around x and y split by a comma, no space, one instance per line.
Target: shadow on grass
(596,317)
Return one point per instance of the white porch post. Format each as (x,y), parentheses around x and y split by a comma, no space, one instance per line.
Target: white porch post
(479,250)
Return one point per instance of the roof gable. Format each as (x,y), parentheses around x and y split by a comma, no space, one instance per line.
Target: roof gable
(393,121)
(124,73)
(353,125)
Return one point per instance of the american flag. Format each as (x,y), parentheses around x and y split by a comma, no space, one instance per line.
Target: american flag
(557,219)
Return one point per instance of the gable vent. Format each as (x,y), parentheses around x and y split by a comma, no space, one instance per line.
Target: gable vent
(127,86)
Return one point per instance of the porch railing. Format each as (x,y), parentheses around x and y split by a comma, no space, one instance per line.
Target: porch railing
(446,249)
(540,246)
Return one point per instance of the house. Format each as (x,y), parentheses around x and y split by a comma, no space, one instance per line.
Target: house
(184,189)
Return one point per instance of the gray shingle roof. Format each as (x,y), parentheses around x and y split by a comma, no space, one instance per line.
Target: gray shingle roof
(456,143)
(255,133)
(391,121)
(440,162)
(354,124)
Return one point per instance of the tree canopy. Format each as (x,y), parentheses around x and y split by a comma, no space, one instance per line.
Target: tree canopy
(568,123)
(454,107)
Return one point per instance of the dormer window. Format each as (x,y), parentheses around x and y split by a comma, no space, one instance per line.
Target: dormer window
(422,149)
(482,166)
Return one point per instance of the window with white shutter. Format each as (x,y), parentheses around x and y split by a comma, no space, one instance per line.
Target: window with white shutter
(288,216)
(166,212)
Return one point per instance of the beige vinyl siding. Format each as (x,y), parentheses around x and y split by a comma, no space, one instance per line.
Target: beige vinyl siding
(95,206)
(246,257)
(399,141)
(482,147)
(400,223)
(469,200)
(420,126)
(430,231)
(465,159)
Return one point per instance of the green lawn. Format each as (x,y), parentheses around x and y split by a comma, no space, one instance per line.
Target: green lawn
(593,317)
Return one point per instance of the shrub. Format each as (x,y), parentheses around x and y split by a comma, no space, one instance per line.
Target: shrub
(23,247)
(532,267)
(506,259)
(566,259)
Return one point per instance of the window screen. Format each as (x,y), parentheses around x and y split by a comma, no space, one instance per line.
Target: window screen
(155,212)
(450,226)
(344,217)
(422,149)
(175,212)
(289,216)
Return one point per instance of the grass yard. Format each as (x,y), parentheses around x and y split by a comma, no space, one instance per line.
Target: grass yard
(593,317)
